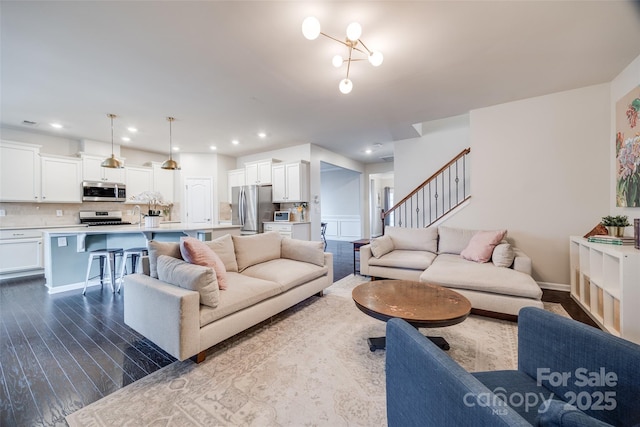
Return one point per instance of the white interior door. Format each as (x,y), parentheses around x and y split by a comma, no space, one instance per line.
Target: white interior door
(198,196)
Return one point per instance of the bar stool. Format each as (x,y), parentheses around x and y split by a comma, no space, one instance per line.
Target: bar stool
(323,233)
(136,257)
(107,257)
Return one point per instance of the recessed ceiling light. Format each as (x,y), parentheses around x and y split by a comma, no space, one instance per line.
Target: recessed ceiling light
(132,129)
(213,147)
(262,134)
(126,139)
(56,125)
(235,142)
(368,151)
(176,148)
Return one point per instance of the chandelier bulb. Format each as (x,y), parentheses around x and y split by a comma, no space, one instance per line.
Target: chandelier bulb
(375,58)
(337,61)
(354,31)
(311,28)
(345,86)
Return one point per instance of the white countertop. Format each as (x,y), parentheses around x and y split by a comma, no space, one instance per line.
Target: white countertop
(135,228)
(286,222)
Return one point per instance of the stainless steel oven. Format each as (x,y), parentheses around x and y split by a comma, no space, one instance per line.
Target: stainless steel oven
(103,192)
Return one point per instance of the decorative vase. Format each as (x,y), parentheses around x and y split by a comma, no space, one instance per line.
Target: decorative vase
(615,231)
(151,221)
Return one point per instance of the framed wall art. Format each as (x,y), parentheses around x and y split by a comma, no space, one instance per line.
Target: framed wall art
(628,149)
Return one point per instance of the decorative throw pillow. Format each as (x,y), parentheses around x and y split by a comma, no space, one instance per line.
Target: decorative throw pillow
(503,255)
(381,245)
(196,252)
(480,247)
(156,249)
(190,276)
(223,247)
(256,248)
(303,250)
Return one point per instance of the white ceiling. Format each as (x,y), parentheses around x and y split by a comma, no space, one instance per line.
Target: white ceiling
(227,70)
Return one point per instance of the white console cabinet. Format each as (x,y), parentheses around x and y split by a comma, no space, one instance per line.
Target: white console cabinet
(294,230)
(605,282)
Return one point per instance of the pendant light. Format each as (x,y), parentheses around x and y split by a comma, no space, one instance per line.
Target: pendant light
(170,164)
(111,162)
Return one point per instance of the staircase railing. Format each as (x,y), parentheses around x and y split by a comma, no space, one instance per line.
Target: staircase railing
(437,196)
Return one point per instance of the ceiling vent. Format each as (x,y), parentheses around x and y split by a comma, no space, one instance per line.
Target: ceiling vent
(387,158)
(29,123)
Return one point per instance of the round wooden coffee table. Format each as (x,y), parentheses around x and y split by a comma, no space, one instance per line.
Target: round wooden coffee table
(423,305)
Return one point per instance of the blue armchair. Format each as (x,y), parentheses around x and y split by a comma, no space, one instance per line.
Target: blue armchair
(569,374)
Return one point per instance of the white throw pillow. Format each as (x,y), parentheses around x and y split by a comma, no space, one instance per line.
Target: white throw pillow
(303,250)
(381,245)
(503,255)
(190,276)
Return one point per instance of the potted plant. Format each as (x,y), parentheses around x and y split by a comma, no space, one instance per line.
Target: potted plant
(615,224)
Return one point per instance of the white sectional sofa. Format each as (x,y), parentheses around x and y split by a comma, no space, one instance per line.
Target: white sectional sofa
(499,287)
(264,274)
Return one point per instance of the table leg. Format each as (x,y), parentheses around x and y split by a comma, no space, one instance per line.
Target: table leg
(379,343)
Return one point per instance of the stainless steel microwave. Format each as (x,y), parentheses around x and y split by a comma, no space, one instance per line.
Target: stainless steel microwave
(103,191)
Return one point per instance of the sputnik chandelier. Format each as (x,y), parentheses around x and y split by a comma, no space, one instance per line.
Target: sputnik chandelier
(311,30)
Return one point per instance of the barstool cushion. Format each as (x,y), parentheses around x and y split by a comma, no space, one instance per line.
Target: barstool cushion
(190,276)
(197,252)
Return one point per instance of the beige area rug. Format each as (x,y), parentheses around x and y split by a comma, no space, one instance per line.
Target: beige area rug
(310,365)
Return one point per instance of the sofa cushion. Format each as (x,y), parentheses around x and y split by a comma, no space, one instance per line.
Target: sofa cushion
(286,272)
(197,252)
(453,240)
(413,239)
(190,276)
(223,247)
(156,249)
(413,260)
(381,245)
(503,255)
(303,250)
(556,413)
(452,271)
(256,248)
(243,292)
(480,247)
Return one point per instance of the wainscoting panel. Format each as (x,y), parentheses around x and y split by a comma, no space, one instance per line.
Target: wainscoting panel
(343,227)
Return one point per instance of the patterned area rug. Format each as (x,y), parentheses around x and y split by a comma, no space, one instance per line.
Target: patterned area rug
(310,365)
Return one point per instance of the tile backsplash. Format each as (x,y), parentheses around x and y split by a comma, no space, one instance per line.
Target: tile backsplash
(45,214)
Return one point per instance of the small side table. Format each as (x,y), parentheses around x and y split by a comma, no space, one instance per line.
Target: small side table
(356,248)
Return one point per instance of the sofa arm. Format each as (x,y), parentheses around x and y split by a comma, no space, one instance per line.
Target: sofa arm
(556,413)
(573,359)
(365,254)
(167,315)
(522,262)
(328,261)
(425,387)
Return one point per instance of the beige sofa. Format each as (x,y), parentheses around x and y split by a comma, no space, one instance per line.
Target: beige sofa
(265,274)
(499,287)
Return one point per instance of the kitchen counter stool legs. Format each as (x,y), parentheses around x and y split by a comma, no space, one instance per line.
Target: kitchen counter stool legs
(136,256)
(106,257)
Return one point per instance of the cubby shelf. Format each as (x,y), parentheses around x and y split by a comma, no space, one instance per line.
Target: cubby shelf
(605,282)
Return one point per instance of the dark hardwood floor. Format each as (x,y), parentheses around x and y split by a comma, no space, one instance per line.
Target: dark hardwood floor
(59,353)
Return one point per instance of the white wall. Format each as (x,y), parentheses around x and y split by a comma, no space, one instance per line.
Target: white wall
(541,170)
(50,144)
(628,79)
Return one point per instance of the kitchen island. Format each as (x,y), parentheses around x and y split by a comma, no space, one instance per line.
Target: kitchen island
(66,250)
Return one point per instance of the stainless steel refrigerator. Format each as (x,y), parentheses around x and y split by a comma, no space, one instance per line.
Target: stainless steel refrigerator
(251,205)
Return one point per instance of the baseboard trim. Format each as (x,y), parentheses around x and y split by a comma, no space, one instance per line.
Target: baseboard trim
(555,286)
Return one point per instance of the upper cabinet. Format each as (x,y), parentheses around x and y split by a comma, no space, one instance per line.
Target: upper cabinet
(163,181)
(290,182)
(259,172)
(93,171)
(235,178)
(19,172)
(61,179)
(138,180)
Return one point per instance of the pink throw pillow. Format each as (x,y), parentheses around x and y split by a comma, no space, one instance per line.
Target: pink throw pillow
(480,247)
(196,252)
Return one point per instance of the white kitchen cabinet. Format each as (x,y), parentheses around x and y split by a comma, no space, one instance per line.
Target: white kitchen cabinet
(163,181)
(19,172)
(138,180)
(235,178)
(92,171)
(61,179)
(259,172)
(20,253)
(604,282)
(290,182)
(294,230)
